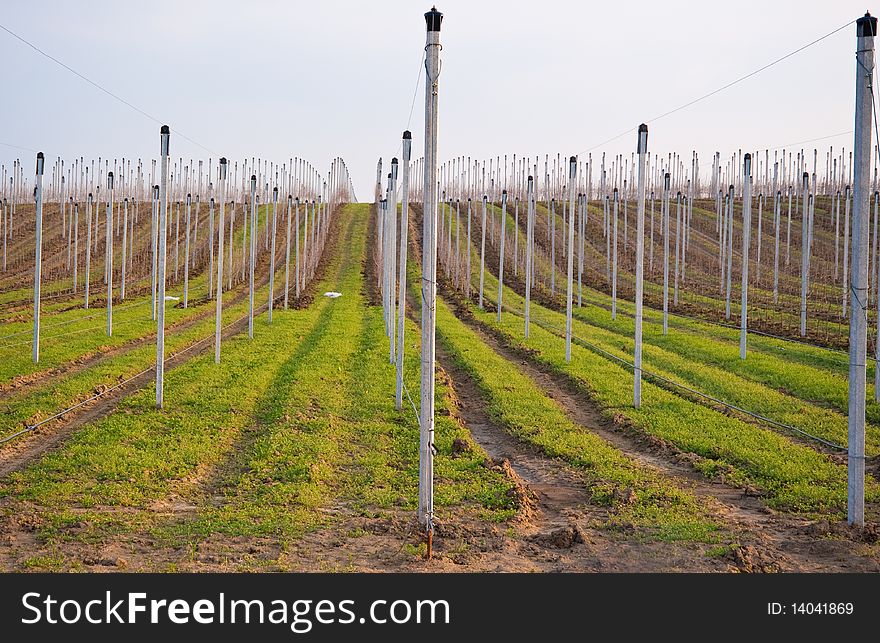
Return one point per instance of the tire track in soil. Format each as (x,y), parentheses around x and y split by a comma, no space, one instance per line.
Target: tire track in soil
(796,544)
(556,532)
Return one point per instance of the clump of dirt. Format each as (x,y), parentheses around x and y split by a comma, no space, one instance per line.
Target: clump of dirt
(625,496)
(562,538)
(750,559)
(525,499)
(868,534)
(460,447)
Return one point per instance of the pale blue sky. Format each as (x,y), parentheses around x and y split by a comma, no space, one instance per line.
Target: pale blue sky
(325,78)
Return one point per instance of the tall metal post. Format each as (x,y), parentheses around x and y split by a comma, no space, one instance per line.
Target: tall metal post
(866,29)
(433,18)
(483,253)
(218,321)
(272,251)
(614,256)
(38,254)
(108,262)
(253,255)
(211,224)
(124,247)
(186,252)
(665,215)
(501,253)
(805,253)
(154,193)
(287,251)
(641,150)
(391,236)
(747,225)
(88,247)
(164,136)
(401,295)
(572,195)
(530,234)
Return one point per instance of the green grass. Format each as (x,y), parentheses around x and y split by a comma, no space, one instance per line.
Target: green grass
(296,420)
(790,476)
(791,392)
(657,508)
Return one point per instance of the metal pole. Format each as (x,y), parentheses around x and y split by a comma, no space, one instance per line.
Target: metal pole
(186,252)
(805,254)
(433,19)
(401,296)
(846,249)
(253,255)
(154,193)
(482,253)
(296,239)
(391,235)
(747,224)
(124,247)
(665,216)
(76,245)
(38,254)
(108,270)
(218,323)
(777,218)
(287,252)
(272,251)
(572,195)
(501,253)
(530,231)
(679,247)
(164,136)
(642,149)
(88,247)
(614,256)
(211,243)
(866,29)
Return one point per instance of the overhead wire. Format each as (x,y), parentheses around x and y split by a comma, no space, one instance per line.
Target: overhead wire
(722,88)
(101,88)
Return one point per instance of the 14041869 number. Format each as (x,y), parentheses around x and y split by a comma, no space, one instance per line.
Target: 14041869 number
(822,608)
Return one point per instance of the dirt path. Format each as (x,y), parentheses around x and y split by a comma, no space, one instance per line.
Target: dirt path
(792,542)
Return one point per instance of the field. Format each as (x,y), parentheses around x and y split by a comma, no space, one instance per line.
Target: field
(290,455)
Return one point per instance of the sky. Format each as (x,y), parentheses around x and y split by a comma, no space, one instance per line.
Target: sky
(317,80)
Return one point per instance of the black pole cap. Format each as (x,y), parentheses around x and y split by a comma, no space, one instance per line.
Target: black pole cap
(433,19)
(866,26)
(407,135)
(394,161)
